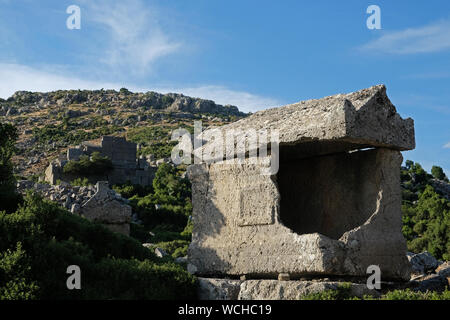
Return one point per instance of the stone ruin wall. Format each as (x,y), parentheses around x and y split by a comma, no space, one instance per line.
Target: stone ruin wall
(123,156)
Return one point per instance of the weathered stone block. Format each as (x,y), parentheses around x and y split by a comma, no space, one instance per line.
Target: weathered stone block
(294,290)
(333,207)
(218,289)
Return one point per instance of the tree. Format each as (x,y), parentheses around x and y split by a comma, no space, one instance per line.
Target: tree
(427,224)
(167,185)
(438,173)
(419,175)
(409,164)
(88,166)
(8,195)
(124,91)
(166,101)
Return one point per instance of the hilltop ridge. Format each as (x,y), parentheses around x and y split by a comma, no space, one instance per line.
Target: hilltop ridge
(49,122)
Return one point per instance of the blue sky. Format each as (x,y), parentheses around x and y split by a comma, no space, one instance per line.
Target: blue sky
(253,54)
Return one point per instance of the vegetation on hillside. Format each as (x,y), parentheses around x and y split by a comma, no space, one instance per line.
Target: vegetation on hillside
(426,213)
(40,240)
(86,166)
(68,133)
(44,239)
(9,198)
(164,210)
(343,292)
(154,140)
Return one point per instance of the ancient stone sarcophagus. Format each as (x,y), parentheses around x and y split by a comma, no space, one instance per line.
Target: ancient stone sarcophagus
(333,207)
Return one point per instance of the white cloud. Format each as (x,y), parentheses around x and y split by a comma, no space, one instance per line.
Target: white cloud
(15,77)
(136,39)
(245,101)
(447,145)
(430,38)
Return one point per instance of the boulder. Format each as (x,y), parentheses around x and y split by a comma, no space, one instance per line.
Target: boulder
(432,282)
(218,289)
(104,208)
(181,260)
(75,208)
(11,111)
(294,289)
(443,269)
(422,263)
(160,253)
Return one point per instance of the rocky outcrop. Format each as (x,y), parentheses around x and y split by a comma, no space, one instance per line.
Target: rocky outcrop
(64,194)
(129,100)
(430,282)
(442,187)
(88,114)
(332,208)
(428,274)
(422,263)
(444,269)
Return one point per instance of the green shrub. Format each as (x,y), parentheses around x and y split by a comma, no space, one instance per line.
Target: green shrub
(342,292)
(124,91)
(165,233)
(131,279)
(408,294)
(9,198)
(438,173)
(146,208)
(128,190)
(427,224)
(167,101)
(140,233)
(88,166)
(176,248)
(68,133)
(42,240)
(14,271)
(81,182)
(169,204)
(426,214)
(154,140)
(187,232)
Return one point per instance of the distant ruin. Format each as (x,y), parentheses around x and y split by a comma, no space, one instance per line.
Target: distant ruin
(122,153)
(332,209)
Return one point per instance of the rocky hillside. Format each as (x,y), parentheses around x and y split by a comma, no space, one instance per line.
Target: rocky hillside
(50,122)
(24,102)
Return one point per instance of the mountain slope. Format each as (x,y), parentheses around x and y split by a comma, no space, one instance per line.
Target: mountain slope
(50,122)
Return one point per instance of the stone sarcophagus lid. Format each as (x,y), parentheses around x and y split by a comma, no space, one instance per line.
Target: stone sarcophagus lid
(332,207)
